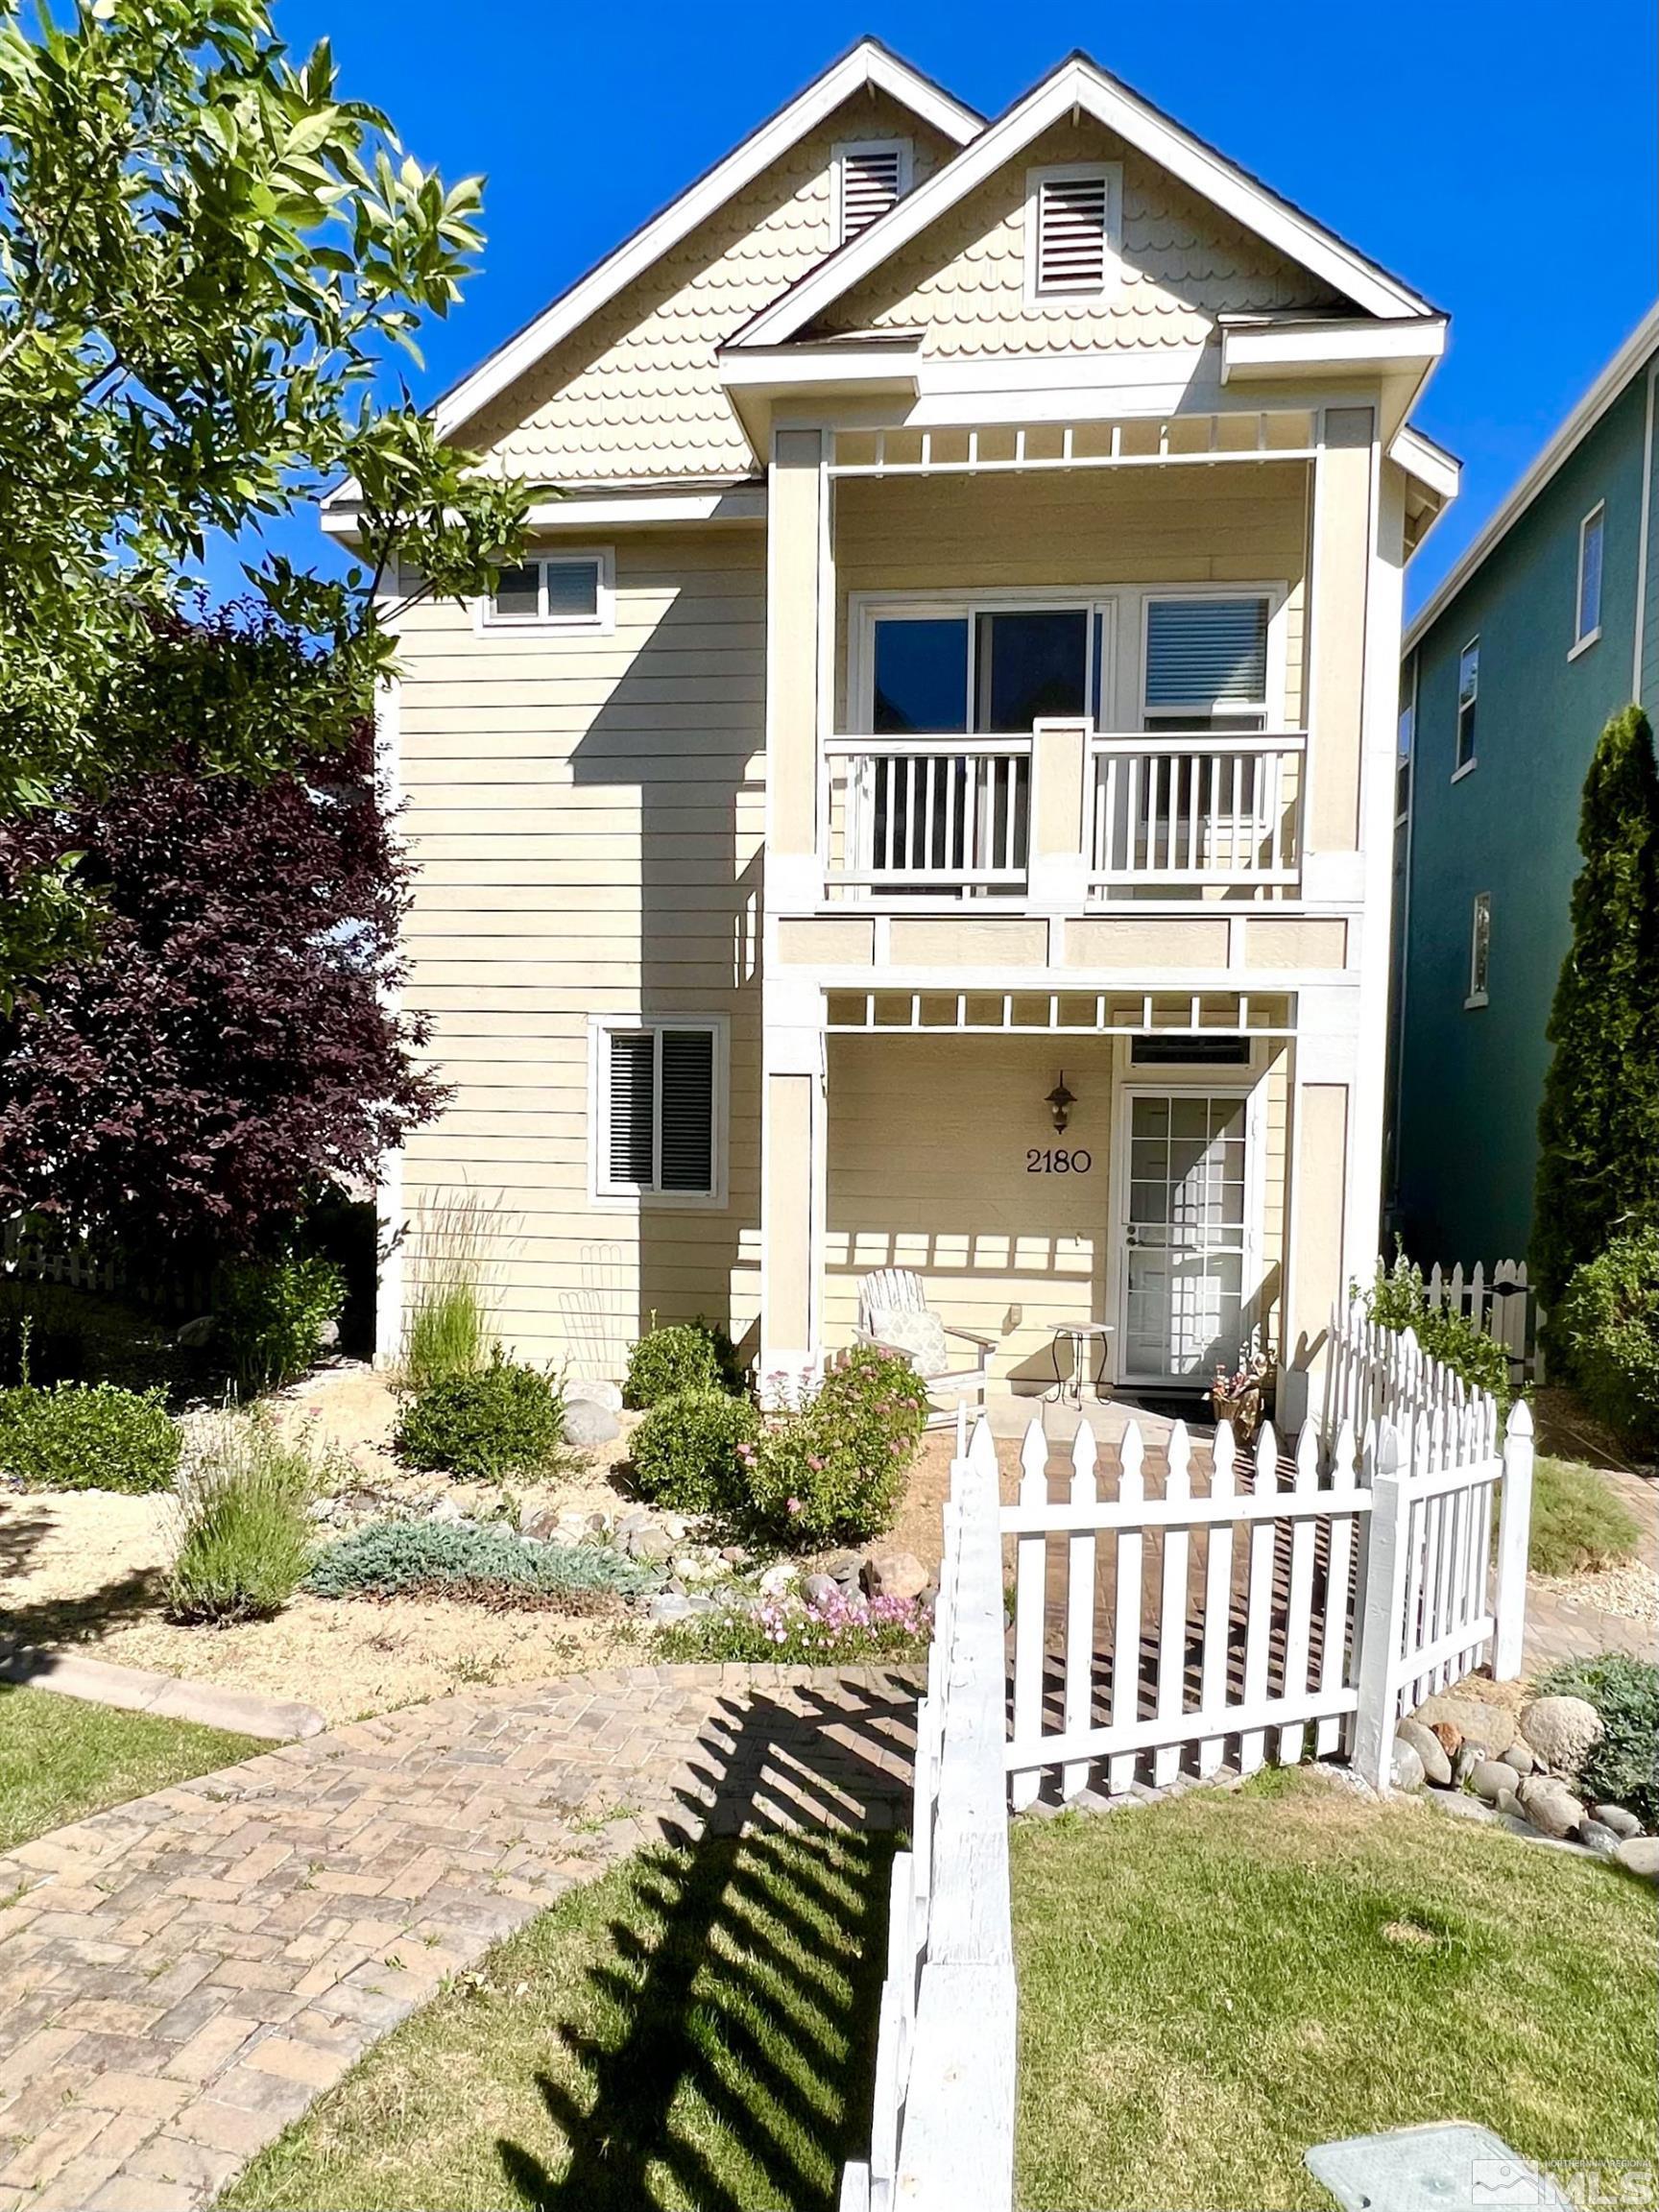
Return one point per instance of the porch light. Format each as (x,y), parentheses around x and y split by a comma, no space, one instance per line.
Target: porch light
(1060,1102)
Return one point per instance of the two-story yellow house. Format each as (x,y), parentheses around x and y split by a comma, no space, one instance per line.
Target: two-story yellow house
(926,801)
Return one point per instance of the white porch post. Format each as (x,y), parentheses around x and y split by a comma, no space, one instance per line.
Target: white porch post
(1514,1529)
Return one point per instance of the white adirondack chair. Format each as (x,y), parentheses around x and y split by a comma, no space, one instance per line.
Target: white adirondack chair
(898,1290)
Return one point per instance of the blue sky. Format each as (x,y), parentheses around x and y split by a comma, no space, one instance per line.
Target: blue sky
(1501,164)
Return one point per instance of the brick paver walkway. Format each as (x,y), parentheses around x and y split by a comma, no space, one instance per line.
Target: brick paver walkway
(181,1977)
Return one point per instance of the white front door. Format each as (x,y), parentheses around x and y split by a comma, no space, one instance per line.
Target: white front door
(1184,1215)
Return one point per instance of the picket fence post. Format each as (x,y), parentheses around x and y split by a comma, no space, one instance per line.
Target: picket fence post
(1381,1629)
(1514,1525)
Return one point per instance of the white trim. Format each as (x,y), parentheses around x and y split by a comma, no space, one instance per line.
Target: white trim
(868,65)
(1478,994)
(839,155)
(487,623)
(1639,626)
(1080,86)
(1607,389)
(608,509)
(1428,464)
(1273,349)
(1583,639)
(606,1197)
(391,1222)
(1061,295)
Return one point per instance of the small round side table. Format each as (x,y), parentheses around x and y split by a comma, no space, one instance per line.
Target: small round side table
(1081,1336)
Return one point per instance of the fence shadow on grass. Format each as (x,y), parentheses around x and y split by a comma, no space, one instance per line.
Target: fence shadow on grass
(739,2071)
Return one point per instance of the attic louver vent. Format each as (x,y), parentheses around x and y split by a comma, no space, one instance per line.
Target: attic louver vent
(873,178)
(1072,242)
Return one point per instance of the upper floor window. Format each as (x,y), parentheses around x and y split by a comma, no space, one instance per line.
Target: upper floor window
(1206,664)
(657,1097)
(1479,948)
(1468,694)
(999,670)
(1074,227)
(1588,617)
(553,591)
(869,178)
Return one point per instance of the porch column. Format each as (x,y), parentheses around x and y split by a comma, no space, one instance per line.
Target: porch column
(1342,492)
(1058,863)
(793,1173)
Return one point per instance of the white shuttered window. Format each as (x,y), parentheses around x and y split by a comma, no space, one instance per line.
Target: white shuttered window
(870,179)
(1074,218)
(659,1087)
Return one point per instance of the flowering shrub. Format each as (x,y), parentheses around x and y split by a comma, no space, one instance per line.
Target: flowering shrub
(842,1630)
(832,1471)
(684,1452)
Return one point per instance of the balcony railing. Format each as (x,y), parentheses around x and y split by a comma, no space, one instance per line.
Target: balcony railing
(1186,812)
(941,817)
(1176,814)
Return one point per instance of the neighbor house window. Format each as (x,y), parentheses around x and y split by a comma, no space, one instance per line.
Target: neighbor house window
(1206,664)
(1479,948)
(1468,692)
(1407,730)
(553,591)
(869,181)
(1074,229)
(659,1118)
(1589,612)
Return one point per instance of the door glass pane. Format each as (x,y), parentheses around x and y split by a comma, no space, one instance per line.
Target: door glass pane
(920,675)
(1031,665)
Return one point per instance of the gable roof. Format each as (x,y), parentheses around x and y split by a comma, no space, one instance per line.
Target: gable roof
(1081,83)
(868,63)
(1607,389)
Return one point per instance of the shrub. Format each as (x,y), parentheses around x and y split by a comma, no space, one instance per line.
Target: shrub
(1578,1521)
(1399,1300)
(271,1315)
(686,1450)
(1606,1332)
(88,1436)
(446,1330)
(490,1566)
(505,1420)
(689,1356)
(245,1531)
(831,1472)
(839,1632)
(1624,1768)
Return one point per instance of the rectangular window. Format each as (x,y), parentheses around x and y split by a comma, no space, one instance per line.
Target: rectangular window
(1589,612)
(1468,694)
(1479,948)
(658,1088)
(1206,664)
(1407,730)
(1074,226)
(553,591)
(999,670)
(869,179)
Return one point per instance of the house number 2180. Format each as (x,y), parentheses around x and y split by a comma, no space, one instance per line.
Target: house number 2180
(1053,1162)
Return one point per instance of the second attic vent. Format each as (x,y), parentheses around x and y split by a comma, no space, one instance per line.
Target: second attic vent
(1073,231)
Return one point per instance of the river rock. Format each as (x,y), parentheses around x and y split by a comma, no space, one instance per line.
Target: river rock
(1436,1766)
(1596,1836)
(1469,1756)
(1492,1726)
(895,1575)
(845,1567)
(671,1606)
(820,1589)
(1519,1755)
(1406,1768)
(588,1425)
(195,1336)
(778,1578)
(1551,1806)
(1562,1731)
(651,1543)
(1639,1855)
(1492,1780)
(594,1390)
(1616,1817)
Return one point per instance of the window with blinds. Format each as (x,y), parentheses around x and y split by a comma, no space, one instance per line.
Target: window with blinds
(554,592)
(1206,662)
(870,180)
(1074,216)
(658,1101)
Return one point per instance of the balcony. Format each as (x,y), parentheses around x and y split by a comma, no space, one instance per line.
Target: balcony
(1166,815)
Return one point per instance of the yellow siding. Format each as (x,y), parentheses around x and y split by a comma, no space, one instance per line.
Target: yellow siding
(588,816)
(635,391)
(963,280)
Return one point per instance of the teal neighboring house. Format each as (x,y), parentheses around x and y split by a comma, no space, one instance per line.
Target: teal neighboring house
(1547,625)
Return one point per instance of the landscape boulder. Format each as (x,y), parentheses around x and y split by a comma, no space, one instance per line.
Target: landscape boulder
(1551,1806)
(1519,1755)
(1492,1780)
(1639,1855)
(1597,1837)
(845,1567)
(1562,1731)
(651,1543)
(1492,1726)
(588,1425)
(195,1336)
(589,1390)
(820,1589)
(671,1606)
(895,1575)
(1614,1816)
(1436,1766)
(1406,1768)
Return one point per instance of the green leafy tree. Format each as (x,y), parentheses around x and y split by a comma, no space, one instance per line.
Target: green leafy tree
(209,259)
(1598,1123)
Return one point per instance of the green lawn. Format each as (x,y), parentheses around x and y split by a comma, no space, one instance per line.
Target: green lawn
(61,1758)
(696,2030)
(1210,1986)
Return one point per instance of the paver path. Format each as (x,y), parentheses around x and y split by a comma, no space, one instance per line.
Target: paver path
(181,1976)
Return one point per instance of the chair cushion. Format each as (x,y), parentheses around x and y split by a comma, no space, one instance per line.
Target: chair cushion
(921,1335)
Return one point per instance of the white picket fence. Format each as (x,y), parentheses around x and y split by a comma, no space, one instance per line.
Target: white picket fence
(943,2131)
(1501,1305)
